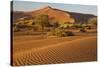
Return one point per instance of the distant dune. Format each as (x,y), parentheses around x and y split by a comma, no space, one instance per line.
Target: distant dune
(75,50)
(54,14)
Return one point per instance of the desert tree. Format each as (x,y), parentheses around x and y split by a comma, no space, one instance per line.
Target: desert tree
(42,20)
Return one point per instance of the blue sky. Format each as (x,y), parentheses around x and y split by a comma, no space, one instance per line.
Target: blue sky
(30,6)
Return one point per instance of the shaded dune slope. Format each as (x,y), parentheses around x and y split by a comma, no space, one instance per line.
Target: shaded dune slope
(78,50)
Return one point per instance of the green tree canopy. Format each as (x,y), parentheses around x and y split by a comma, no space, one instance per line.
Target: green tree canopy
(42,20)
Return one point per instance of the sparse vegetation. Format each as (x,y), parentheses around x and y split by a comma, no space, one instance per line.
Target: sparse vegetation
(77,25)
(60,32)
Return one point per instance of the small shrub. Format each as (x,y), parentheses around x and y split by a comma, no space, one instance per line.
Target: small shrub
(60,33)
(15,29)
(51,33)
(35,28)
(77,25)
(88,27)
(82,30)
(69,33)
